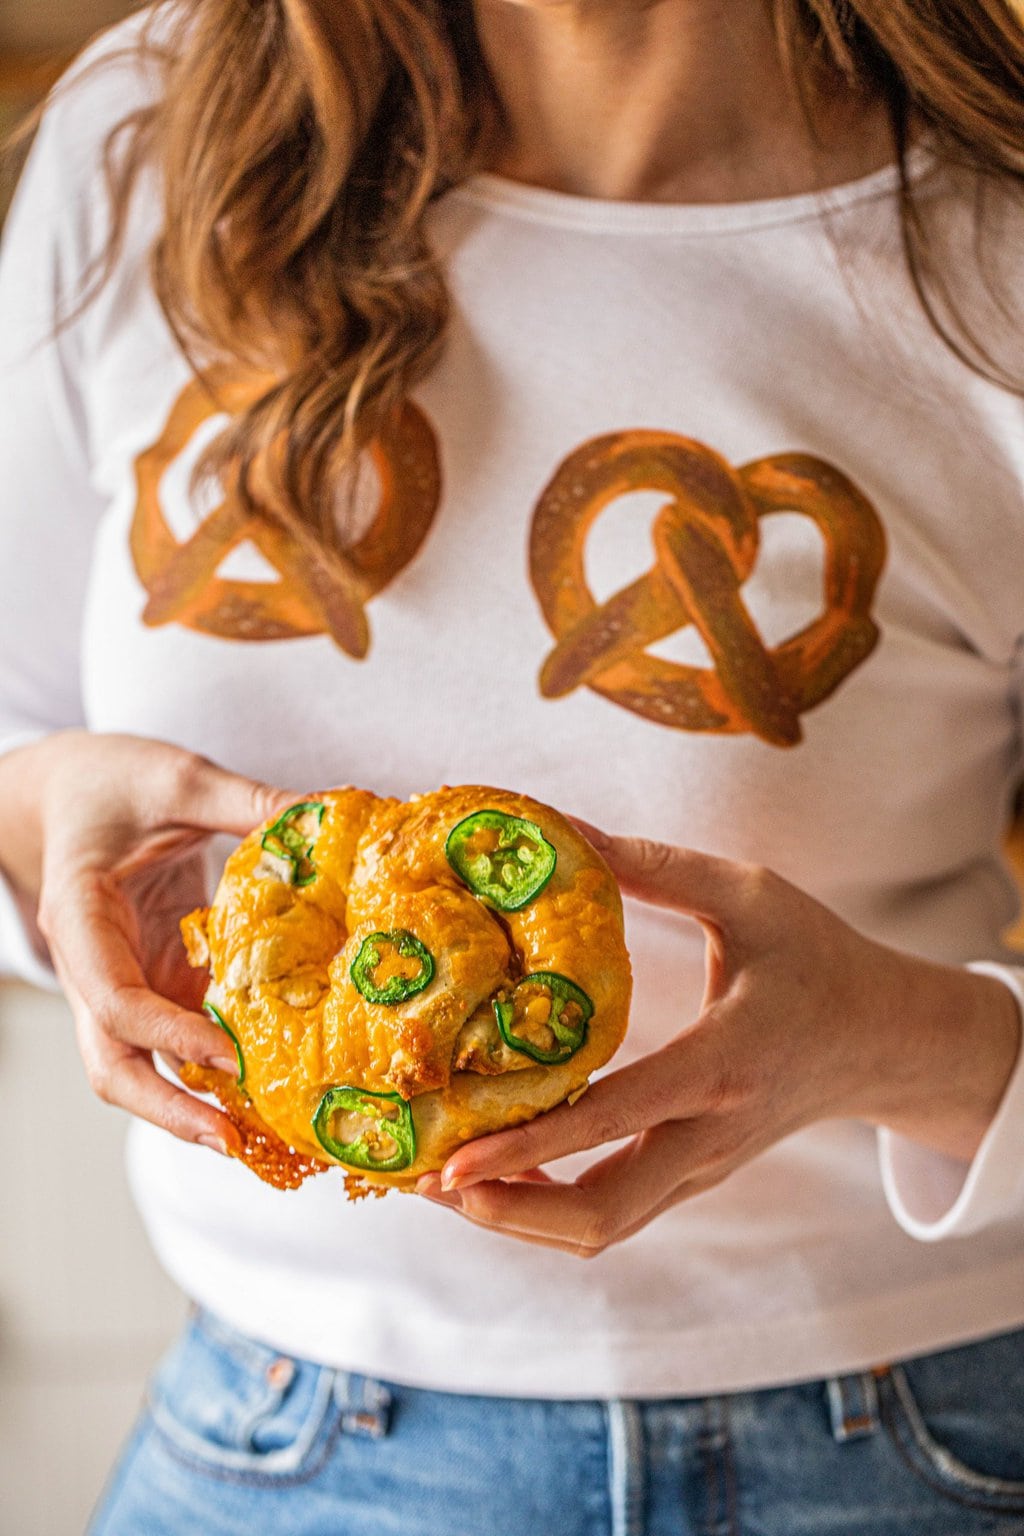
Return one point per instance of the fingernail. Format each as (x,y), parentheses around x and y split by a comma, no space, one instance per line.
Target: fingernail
(451,1181)
(214,1143)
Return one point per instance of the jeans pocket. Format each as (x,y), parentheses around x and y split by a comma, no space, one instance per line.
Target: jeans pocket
(957,1418)
(228,1405)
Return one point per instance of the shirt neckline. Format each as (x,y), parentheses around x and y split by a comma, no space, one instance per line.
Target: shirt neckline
(539,205)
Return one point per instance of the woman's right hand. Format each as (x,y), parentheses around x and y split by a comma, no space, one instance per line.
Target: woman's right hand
(109,830)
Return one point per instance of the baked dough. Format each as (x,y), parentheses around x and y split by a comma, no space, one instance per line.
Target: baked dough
(362,902)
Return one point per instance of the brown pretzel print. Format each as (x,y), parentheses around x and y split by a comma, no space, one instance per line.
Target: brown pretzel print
(323,587)
(706,543)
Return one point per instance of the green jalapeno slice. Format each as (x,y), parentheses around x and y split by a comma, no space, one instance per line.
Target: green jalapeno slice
(546,1017)
(219,1019)
(292,837)
(391,967)
(505,860)
(365,1129)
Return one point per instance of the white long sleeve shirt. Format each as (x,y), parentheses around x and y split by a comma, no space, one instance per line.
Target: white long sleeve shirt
(755,331)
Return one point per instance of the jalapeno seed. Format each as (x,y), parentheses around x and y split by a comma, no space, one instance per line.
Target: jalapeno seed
(505,860)
(364,1129)
(545,1017)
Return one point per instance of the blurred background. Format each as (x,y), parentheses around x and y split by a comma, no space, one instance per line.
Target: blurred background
(37,37)
(84,1309)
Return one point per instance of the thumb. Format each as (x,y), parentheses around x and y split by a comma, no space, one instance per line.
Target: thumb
(667,875)
(214,800)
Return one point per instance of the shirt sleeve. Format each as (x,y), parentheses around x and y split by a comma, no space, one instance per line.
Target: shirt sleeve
(49,507)
(935,1197)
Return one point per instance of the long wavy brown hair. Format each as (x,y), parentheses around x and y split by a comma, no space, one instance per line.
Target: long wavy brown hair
(301,144)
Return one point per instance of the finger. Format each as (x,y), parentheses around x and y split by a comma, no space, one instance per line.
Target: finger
(429,1184)
(131,1082)
(711,889)
(614,1199)
(454,1203)
(683,1080)
(432,1191)
(123,1076)
(208,797)
(138,1017)
(135,1085)
(90,940)
(715,892)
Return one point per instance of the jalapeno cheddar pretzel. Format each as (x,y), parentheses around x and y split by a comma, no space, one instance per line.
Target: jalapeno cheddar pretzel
(399,978)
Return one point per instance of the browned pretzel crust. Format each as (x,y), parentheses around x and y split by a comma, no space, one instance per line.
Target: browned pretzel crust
(261,1149)
(280,956)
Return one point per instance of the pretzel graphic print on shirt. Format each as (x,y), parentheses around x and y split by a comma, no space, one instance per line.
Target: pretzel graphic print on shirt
(323,584)
(706,544)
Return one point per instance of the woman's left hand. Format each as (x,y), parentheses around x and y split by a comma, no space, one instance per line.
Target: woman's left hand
(803,1019)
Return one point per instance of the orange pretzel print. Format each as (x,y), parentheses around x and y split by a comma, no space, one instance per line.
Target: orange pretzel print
(323,587)
(706,543)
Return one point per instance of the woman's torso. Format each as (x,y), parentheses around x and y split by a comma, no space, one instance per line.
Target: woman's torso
(737,328)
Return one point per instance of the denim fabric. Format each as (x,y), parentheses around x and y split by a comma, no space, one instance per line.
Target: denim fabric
(239,1441)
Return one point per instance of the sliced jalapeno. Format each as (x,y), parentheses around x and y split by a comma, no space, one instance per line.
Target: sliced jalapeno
(292,837)
(219,1019)
(505,860)
(365,1129)
(391,967)
(546,1017)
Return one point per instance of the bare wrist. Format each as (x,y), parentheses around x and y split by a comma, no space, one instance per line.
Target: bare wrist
(952,1041)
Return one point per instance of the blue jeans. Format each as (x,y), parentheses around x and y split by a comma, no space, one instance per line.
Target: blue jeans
(240,1441)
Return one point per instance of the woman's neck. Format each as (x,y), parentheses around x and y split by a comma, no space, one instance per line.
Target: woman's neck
(664,101)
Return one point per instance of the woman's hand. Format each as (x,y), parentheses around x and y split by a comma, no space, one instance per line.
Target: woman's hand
(107,833)
(803,1019)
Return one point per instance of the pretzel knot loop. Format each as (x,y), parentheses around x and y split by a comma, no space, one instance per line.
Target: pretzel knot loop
(706,542)
(323,586)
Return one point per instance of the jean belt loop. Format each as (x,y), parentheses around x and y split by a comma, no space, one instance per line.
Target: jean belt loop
(625,1466)
(365,1405)
(853,1406)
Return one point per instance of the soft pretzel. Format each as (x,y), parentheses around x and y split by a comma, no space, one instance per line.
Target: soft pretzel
(399,978)
(323,586)
(706,541)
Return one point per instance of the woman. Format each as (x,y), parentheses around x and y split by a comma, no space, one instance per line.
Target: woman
(679,255)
